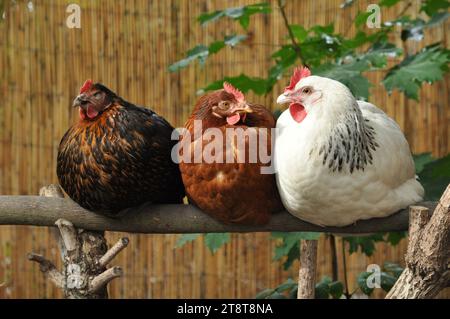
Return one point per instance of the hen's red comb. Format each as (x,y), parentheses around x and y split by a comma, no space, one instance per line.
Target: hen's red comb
(86,86)
(238,95)
(299,73)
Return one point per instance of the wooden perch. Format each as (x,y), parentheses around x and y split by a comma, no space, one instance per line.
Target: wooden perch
(85,253)
(427,259)
(169,219)
(85,257)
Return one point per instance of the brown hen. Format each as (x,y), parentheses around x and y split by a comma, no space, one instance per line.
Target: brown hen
(236,192)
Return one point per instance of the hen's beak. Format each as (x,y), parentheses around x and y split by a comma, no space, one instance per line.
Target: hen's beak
(79,100)
(241,108)
(283,98)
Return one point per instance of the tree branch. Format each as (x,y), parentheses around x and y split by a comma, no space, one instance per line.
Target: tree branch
(298,50)
(69,238)
(84,254)
(113,251)
(48,269)
(307,271)
(170,219)
(428,253)
(100,281)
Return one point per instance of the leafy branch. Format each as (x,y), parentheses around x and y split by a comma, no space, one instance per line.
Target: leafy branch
(297,49)
(335,55)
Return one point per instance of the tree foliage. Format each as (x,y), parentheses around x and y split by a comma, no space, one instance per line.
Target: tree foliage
(335,55)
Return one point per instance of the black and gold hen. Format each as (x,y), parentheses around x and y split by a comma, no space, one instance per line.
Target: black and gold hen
(118,155)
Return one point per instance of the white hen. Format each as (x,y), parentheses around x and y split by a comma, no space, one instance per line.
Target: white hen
(339,160)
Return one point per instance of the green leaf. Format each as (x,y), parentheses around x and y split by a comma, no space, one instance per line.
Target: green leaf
(280,291)
(241,14)
(262,7)
(414,29)
(435,177)
(264,294)
(377,53)
(244,21)
(323,29)
(277,113)
(289,245)
(336,289)
(322,291)
(437,19)
(201,52)
(299,32)
(276,295)
(286,245)
(292,256)
(287,285)
(322,288)
(358,40)
(429,65)
(430,7)
(242,82)
(284,58)
(185,238)
(293,292)
(348,74)
(388,3)
(216,47)
(395,237)
(208,17)
(326,279)
(319,43)
(346,3)
(362,282)
(216,240)
(421,160)
(288,240)
(296,236)
(361,18)
(234,39)
(387,281)
(365,243)
(395,269)
(234,13)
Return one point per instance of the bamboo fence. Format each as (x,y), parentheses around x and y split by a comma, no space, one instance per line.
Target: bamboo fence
(128,46)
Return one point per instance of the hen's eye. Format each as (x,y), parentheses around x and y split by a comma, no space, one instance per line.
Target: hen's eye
(306,90)
(224,104)
(98,95)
